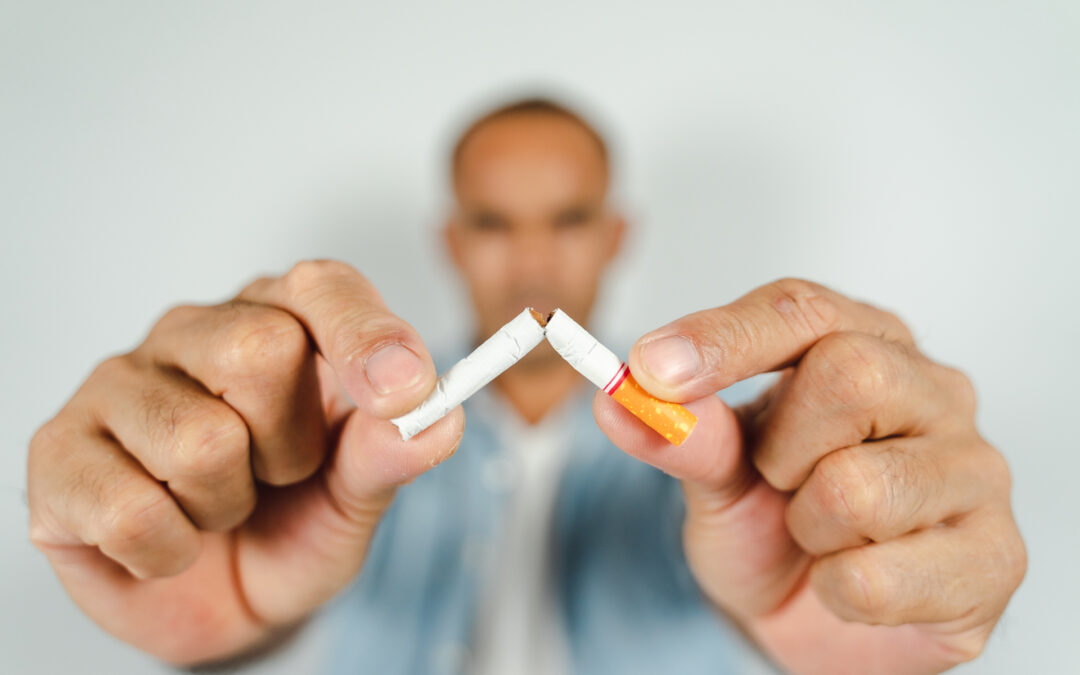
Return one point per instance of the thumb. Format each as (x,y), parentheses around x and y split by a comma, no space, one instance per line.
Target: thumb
(735,537)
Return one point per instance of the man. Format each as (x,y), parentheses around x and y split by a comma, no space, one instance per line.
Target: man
(220,483)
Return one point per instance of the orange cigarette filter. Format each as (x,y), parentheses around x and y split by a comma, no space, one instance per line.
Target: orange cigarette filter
(608,372)
(670,420)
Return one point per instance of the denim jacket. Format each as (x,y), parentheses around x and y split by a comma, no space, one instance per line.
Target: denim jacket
(627,598)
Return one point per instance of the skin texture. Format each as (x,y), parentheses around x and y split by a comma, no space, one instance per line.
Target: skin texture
(208,490)
(852,520)
(201,495)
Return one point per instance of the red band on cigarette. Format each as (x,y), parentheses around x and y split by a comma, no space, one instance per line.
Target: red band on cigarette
(616,379)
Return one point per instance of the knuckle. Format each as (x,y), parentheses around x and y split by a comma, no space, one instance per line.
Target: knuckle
(40,535)
(842,492)
(208,441)
(860,587)
(1017,561)
(966,646)
(374,331)
(48,446)
(261,339)
(132,521)
(1007,558)
(737,336)
(232,516)
(255,285)
(895,327)
(113,369)
(175,316)
(49,435)
(854,370)
(46,440)
(874,494)
(307,276)
(1014,562)
(114,374)
(962,390)
(995,469)
(158,409)
(806,306)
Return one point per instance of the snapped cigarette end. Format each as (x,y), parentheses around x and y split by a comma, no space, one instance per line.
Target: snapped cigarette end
(608,372)
(580,349)
(467,376)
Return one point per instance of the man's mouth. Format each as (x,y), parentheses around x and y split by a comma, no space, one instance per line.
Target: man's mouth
(545,304)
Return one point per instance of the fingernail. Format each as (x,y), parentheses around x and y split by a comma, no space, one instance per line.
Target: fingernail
(671,360)
(393,368)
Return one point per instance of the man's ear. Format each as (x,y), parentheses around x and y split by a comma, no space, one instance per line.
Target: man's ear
(451,233)
(618,236)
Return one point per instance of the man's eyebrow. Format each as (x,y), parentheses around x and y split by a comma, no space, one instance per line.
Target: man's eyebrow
(577,210)
(483,216)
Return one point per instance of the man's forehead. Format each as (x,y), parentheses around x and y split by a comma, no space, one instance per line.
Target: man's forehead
(534,152)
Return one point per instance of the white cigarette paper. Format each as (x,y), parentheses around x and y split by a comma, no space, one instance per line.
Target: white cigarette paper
(467,376)
(582,351)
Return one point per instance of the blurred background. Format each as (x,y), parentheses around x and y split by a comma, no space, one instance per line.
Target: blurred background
(924,156)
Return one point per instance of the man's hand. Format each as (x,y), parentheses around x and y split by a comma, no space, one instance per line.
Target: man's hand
(216,484)
(852,520)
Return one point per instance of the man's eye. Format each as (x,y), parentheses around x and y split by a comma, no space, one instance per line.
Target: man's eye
(486,222)
(572,218)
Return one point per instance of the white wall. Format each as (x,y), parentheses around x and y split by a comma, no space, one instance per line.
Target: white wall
(921,155)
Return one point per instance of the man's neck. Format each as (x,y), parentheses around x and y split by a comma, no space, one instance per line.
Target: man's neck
(536,391)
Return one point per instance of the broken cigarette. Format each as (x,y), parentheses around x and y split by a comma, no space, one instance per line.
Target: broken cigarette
(467,376)
(608,372)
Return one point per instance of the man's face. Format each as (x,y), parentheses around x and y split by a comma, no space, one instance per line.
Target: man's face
(531,225)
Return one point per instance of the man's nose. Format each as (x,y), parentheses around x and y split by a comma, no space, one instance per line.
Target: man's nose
(535,253)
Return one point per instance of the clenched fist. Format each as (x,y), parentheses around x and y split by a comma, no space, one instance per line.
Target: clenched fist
(853,520)
(217,484)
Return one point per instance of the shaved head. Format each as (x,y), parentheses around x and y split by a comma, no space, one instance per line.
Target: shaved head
(531,225)
(533,107)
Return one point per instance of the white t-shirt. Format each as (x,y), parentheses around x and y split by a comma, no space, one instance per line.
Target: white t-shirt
(519,629)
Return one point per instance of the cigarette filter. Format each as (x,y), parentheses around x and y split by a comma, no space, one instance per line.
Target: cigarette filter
(467,376)
(608,372)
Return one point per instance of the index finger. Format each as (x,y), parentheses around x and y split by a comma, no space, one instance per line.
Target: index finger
(378,358)
(767,329)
